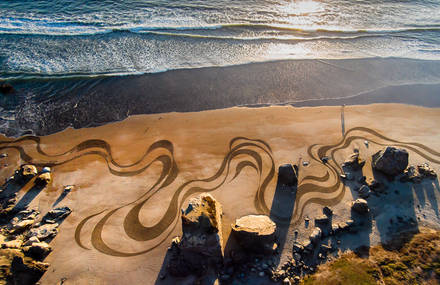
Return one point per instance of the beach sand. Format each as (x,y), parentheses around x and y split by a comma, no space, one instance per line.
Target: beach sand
(191,147)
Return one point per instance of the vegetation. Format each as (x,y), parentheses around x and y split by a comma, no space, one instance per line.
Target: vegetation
(414,261)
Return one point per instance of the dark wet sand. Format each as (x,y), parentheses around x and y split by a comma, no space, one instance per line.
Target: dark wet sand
(48,106)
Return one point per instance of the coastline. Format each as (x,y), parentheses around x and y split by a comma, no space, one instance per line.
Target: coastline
(46,106)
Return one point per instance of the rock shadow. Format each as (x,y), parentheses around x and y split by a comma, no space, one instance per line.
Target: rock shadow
(281,212)
(28,197)
(393,208)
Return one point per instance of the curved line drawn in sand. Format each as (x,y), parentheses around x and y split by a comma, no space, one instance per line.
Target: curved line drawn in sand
(309,192)
(254,154)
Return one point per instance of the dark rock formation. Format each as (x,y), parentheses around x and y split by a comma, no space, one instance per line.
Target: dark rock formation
(255,233)
(390,161)
(288,175)
(200,247)
(6,88)
(360,206)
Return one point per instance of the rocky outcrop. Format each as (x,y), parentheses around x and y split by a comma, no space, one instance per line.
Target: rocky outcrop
(417,173)
(390,161)
(23,237)
(360,206)
(200,247)
(255,233)
(288,175)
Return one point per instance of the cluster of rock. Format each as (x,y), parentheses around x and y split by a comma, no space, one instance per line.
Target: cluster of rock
(417,173)
(24,236)
(200,252)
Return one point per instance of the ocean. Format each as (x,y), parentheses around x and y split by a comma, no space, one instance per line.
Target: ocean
(54,38)
(57,52)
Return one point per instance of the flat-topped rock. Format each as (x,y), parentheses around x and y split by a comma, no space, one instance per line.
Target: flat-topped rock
(255,233)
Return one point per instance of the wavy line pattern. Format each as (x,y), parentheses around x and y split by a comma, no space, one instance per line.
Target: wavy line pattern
(242,153)
(310,192)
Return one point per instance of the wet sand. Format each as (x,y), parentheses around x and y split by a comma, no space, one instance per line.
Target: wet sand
(126,176)
(46,106)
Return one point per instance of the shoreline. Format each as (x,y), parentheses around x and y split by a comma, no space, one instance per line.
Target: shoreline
(48,106)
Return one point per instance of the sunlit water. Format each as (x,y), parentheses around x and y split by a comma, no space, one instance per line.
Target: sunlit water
(70,38)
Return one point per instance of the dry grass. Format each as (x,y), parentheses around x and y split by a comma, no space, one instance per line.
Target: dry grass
(415,262)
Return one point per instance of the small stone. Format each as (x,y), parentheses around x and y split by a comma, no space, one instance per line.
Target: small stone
(286,281)
(261,274)
(364,191)
(44,178)
(46,170)
(315,236)
(360,206)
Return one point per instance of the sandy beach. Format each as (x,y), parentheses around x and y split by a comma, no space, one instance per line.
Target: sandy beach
(132,177)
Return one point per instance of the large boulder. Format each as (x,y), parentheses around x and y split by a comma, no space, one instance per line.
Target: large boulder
(390,161)
(56,215)
(255,233)
(288,175)
(200,247)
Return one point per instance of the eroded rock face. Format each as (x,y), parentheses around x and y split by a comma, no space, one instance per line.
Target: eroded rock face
(200,247)
(255,233)
(288,175)
(390,161)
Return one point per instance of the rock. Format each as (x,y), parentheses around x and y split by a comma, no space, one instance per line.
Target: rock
(6,88)
(374,185)
(343,226)
(305,163)
(56,215)
(325,159)
(286,281)
(16,243)
(46,169)
(426,171)
(417,174)
(327,211)
(354,162)
(322,220)
(390,161)
(37,250)
(44,232)
(3,155)
(21,226)
(28,171)
(261,274)
(296,280)
(26,272)
(297,247)
(255,233)
(308,246)
(360,206)
(200,247)
(315,236)
(44,178)
(31,240)
(364,191)
(288,175)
